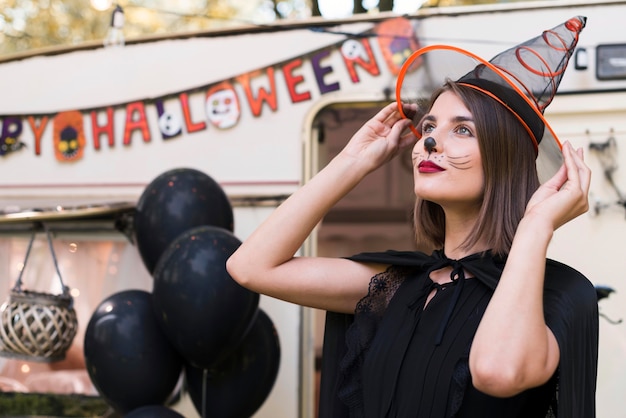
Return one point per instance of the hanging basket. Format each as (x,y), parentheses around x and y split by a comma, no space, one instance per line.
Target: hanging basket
(37,326)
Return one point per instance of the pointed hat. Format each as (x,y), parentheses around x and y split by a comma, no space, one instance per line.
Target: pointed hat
(524,79)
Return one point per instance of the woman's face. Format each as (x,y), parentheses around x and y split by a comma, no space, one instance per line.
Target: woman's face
(450,173)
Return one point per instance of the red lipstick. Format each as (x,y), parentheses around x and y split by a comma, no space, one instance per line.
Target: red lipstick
(426,166)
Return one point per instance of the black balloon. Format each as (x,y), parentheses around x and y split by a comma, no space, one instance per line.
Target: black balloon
(174,202)
(200,308)
(128,357)
(239,385)
(153,411)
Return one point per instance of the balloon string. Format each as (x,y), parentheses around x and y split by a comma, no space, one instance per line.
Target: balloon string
(205,375)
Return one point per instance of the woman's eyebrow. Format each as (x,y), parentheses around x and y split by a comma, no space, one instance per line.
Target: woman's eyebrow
(458,119)
(427,118)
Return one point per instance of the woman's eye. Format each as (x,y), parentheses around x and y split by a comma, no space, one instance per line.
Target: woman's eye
(427,127)
(464,130)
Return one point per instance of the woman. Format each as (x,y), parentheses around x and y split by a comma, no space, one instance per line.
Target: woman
(485,326)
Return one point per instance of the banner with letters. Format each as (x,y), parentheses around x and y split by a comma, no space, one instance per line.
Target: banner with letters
(74,130)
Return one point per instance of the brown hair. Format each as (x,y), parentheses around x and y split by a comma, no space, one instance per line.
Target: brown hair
(510,176)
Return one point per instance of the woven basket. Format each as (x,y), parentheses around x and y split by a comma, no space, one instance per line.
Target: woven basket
(37,326)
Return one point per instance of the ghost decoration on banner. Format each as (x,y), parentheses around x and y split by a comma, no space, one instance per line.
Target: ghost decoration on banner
(128,358)
(222,106)
(239,385)
(353,50)
(170,124)
(174,202)
(202,310)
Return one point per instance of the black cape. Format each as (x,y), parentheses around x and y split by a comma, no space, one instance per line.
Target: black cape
(570,309)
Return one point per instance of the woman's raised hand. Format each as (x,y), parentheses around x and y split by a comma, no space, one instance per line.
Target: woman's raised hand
(380,138)
(566,195)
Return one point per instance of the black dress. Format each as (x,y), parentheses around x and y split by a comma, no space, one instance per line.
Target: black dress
(395,358)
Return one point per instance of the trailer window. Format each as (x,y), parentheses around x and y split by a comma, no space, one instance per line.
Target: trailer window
(611,62)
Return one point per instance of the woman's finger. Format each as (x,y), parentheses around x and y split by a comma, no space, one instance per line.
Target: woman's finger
(405,135)
(583,169)
(387,112)
(578,172)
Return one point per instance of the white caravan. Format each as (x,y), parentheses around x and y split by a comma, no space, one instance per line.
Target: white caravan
(84,130)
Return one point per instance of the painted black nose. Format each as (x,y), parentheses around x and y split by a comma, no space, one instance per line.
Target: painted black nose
(430,144)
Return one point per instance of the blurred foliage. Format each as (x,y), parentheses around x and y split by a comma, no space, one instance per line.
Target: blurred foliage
(34,24)
(16,404)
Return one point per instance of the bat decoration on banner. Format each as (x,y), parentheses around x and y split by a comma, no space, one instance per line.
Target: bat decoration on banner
(9,135)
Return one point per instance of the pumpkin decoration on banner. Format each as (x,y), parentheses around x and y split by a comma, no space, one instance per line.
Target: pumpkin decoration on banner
(174,202)
(128,358)
(202,310)
(238,386)
(69,136)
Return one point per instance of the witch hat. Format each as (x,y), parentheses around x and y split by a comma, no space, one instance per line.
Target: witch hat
(524,79)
